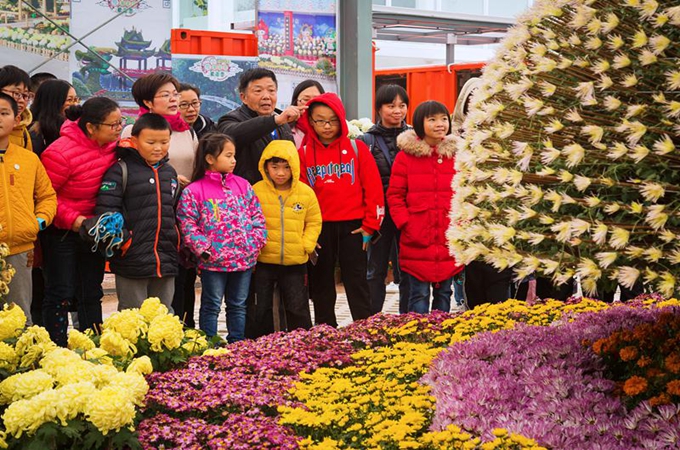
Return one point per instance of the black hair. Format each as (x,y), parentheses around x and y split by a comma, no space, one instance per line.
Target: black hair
(47,108)
(253,75)
(210,144)
(275,160)
(145,88)
(11,75)
(12,103)
(39,78)
(425,110)
(94,111)
(150,121)
(387,93)
(189,87)
(305,85)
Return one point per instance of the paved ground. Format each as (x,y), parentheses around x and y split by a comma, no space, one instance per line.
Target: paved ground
(110,304)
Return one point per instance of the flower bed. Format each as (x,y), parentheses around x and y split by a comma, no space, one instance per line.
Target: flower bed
(581,374)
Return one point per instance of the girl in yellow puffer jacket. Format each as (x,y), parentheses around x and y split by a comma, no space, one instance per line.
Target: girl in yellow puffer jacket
(293,221)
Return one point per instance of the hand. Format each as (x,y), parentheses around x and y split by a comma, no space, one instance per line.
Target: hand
(365,235)
(290,114)
(77,223)
(183,181)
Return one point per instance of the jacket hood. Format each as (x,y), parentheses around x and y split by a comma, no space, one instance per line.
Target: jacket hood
(283,149)
(333,102)
(410,143)
(25,119)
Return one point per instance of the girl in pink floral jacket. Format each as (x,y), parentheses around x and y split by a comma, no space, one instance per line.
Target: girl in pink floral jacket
(223,225)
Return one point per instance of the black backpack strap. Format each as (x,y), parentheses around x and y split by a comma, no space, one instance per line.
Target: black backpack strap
(383,147)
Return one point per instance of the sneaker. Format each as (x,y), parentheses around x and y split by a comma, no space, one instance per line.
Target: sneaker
(392,287)
(456,308)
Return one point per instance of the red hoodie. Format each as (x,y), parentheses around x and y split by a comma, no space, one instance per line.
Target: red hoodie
(347,185)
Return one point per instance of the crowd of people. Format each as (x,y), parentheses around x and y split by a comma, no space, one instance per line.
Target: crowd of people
(260,205)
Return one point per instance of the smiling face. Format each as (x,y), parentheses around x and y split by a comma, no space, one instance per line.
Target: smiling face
(307,94)
(108,130)
(260,96)
(436,128)
(392,114)
(165,102)
(20,94)
(152,145)
(189,106)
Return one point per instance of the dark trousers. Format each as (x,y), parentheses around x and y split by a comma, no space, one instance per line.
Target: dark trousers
(184,299)
(338,244)
(379,257)
(292,284)
(485,284)
(71,271)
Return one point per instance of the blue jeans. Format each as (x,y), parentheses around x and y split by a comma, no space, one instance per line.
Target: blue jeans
(419,298)
(233,286)
(72,273)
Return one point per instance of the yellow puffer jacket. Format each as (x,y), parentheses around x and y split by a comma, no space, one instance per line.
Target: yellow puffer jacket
(293,220)
(19,135)
(26,193)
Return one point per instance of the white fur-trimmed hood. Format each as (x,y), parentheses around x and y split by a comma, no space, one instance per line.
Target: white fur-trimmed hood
(410,143)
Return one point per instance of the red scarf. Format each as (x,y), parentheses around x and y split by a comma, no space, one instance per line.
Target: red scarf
(176,122)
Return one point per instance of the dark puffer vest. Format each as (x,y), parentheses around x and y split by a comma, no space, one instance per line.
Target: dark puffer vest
(148,206)
(384,157)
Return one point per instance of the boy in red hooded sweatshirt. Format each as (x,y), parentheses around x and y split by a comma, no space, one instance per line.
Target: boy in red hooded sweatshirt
(347,183)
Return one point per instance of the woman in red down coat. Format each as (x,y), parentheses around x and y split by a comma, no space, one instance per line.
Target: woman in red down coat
(419,198)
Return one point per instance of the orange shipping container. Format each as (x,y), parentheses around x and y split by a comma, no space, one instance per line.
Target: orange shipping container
(194,42)
(439,83)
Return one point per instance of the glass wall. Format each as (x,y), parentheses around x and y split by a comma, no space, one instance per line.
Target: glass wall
(497,8)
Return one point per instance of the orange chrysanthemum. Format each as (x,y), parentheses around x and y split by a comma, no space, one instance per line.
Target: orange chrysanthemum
(661,399)
(628,353)
(644,361)
(672,362)
(635,385)
(673,387)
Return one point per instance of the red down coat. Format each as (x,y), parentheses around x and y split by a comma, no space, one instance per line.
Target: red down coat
(76,165)
(419,200)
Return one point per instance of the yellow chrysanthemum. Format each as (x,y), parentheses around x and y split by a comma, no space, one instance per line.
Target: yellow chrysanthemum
(116,345)
(152,308)
(131,323)
(12,321)
(24,385)
(133,383)
(79,341)
(112,411)
(165,333)
(8,357)
(26,416)
(141,365)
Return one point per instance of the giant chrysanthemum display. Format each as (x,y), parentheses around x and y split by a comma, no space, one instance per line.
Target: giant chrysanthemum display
(569,163)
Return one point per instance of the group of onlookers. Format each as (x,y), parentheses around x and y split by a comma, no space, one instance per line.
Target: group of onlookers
(263,202)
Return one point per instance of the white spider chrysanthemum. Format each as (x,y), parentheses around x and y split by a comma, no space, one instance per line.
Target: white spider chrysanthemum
(606,259)
(652,191)
(619,238)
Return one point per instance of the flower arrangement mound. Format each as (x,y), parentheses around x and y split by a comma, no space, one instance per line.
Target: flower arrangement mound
(548,383)
(568,164)
(374,384)
(89,394)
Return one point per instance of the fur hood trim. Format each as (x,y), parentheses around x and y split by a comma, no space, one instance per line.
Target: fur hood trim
(410,143)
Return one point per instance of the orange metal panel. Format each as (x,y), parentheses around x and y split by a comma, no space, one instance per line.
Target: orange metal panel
(193,42)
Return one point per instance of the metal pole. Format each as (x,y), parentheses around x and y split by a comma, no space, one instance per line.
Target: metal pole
(79,41)
(451,41)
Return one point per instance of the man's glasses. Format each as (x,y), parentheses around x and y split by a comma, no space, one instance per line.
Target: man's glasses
(195,104)
(120,124)
(323,123)
(18,96)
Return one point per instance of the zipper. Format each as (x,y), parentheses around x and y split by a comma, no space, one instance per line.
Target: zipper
(158,226)
(282,202)
(5,182)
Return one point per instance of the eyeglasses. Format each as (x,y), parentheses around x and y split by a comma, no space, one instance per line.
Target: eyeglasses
(323,123)
(168,95)
(195,104)
(72,100)
(18,96)
(115,125)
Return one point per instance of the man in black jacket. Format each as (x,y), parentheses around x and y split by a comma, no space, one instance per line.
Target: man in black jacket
(256,123)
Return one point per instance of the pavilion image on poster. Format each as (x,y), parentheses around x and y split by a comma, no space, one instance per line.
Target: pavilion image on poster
(298,41)
(32,40)
(216,76)
(132,45)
